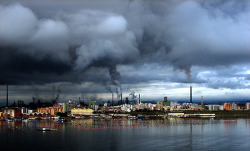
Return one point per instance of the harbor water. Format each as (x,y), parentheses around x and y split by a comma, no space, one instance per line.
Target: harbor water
(127,134)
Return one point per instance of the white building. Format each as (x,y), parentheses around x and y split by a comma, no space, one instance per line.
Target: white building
(95,107)
(174,104)
(25,110)
(221,107)
(106,104)
(248,106)
(234,106)
(213,107)
(126,107)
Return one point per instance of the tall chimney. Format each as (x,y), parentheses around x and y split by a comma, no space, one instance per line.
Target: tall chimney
(112,99)
(7,97)
(201,100)
(121,99)
(139,98)
(79,101)
(191,94)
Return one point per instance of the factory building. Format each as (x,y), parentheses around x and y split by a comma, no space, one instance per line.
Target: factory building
(50,110)
(127,107)
(71,105)
(81,111)
(213,107)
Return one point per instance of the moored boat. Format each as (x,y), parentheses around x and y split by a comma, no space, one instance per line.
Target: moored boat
(9,120)
(46,129)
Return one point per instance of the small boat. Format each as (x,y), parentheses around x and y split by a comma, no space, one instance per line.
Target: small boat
(140,117)
(107,117)
(9,120)
(33,119)
(25,120)
(46,129)
(61,120)
(131,117)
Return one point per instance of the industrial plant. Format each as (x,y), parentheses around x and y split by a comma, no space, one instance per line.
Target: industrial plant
(112,109)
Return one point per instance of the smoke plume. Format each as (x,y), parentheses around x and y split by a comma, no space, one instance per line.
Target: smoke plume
(116,77)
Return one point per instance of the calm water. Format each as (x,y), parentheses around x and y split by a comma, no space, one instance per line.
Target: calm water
(170,134)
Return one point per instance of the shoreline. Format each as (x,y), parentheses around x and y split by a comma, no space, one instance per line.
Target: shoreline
(144,115)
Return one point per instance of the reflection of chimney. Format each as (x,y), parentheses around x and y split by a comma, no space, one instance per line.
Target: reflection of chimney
(112,99)
(191,94)
(7,97)
(139,98)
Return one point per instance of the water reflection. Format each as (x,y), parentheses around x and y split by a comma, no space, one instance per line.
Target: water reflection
(126,134)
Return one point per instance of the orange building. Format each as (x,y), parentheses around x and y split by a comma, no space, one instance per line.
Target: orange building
(50,110)
(227,106)
(160,107)
(1,114)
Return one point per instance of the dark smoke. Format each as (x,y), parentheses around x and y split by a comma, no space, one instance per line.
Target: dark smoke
(187,71)
(115,77)
(133,97)
(109,89)
(35,92)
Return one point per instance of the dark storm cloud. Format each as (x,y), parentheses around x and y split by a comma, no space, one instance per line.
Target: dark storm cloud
(69,42)
(18,68)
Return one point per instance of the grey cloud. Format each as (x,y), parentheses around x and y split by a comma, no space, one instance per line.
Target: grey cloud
(201,39)
(220,77)
(51,36)
(73,41)
(17,24)
(227,84)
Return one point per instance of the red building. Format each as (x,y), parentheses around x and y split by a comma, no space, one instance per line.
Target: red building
(12,113)
(17,113)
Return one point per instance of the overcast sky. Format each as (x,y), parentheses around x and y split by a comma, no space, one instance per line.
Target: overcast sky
(89,49)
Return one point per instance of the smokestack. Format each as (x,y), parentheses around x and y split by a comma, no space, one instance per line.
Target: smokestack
(112,99)
(57,97)
(139,98)
(191,94)
(121,98)
(79,101)
(201,100)
(7,97)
